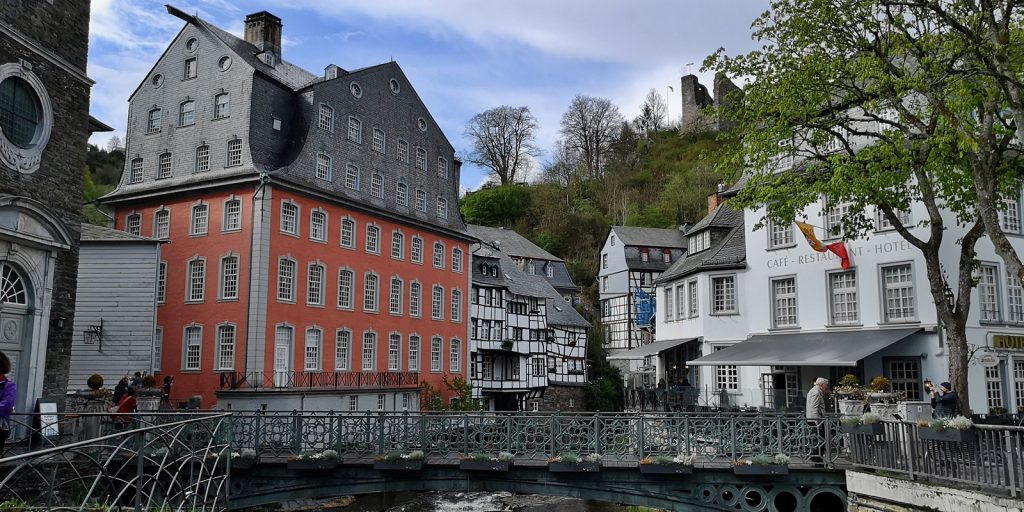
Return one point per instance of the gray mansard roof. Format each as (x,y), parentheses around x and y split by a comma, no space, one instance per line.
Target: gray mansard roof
(275,112)
(727,250)
(510,242)
(650,237)
(559,312)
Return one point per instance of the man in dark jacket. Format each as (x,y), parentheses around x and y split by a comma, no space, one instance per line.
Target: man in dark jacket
(120,389)
(945,401)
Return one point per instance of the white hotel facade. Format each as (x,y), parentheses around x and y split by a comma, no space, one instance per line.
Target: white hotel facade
(767,326)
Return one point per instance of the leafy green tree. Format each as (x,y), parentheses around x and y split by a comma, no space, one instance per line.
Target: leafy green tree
(837,90)
(431,398)
(496,206)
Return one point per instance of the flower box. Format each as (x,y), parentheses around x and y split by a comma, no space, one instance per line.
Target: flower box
(864,429)
(483,465)
(666,469)
(312,463)
(398,465)
(242,463)
(574,467)
(760,469)
(949,435)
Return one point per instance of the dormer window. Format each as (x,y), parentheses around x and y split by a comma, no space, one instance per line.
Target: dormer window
(645,254)
(666,256)
(699,242)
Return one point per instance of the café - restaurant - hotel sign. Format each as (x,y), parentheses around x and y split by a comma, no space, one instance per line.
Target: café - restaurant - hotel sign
(1008,342)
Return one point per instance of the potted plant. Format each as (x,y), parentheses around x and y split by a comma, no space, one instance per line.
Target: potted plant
(507,344)
(398,461)
(850,396)
(762,465)
(881,399)
(149,395)
(954,430)
(572,463)
(869,424)
(486,462)
(327,459)
(681,464)
(244,459)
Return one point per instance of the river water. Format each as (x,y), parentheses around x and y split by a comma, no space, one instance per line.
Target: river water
(473,502)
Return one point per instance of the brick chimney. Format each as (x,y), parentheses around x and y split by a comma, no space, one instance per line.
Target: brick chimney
(714,200)
(264,30)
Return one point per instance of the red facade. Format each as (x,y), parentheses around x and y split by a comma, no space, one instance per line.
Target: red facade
(178,312)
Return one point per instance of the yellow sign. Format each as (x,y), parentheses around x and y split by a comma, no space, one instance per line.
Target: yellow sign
(1005,341)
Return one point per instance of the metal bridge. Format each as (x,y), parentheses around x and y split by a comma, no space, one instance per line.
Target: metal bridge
(220,461)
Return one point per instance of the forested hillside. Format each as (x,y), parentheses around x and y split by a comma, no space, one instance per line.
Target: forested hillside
(655,180)
(102,171)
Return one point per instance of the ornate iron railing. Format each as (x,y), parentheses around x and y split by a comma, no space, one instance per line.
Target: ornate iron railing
(991,458)
(716,439)
(150,462)
(324,380)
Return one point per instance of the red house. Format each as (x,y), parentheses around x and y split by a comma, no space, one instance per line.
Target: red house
(316,258)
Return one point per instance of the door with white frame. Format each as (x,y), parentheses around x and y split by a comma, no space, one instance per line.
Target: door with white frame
(283,339)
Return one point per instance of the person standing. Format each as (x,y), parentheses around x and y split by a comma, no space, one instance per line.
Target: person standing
(945,401)
(120,389)
(816,399)
(8,399)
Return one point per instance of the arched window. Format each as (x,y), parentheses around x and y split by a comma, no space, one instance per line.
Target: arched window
(12,287)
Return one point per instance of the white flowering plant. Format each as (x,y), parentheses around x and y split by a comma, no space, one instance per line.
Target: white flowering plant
(505,457)
(870,418)
(765,460)
(324,455)
(593,457)
(957,423)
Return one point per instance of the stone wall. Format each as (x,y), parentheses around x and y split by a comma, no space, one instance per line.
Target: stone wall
(873,493)
(51,37)
(562,398)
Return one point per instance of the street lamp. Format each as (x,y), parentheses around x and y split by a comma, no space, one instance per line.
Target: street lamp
(948,293)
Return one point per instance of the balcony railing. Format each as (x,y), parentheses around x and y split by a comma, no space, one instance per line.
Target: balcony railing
(283,380)
(992,457)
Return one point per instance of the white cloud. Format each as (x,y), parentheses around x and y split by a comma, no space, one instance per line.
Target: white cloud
(604,30)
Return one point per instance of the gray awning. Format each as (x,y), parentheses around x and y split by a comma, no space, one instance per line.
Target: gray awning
(842,348)
(649,349)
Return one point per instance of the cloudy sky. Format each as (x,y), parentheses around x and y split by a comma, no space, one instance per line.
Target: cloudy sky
(463,56)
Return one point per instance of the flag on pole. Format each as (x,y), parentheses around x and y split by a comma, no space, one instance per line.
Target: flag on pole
(808,231)
(837,248)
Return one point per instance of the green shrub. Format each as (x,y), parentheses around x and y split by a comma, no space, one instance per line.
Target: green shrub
(95,381)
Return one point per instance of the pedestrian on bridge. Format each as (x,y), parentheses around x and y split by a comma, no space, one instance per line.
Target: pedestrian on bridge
(816,399)
(8,399)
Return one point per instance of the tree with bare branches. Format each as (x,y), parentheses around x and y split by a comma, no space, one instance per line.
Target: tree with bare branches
(589,127)
(503,142)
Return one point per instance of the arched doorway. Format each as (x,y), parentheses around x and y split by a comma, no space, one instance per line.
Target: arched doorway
(15,322)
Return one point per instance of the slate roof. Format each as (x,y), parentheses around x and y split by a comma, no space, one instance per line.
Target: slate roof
(650,237)
(285,72)
(520,283)
(510,242)
(726,252)
(91,233)
(721,217)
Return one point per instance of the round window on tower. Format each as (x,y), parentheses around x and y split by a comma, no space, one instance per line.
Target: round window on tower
(423,124)
(395,86)
(224,63)
(26,117)
(158,80)
(192,44)
(357,91)
(20,112)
